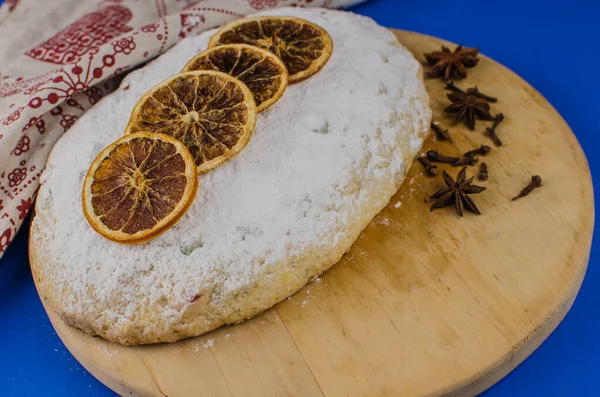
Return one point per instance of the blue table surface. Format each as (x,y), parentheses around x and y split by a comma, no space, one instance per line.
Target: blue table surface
(553,45)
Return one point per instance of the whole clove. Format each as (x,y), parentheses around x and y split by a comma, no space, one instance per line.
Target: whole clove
(440,133)
(536,181)
(479,94)
(491,131)
(473,91)
(467,160)
(481,151)
(434,156)
(451,87)
(497,120)
(430,168)
(483,172)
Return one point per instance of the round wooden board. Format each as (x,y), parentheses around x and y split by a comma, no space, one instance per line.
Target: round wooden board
(424,304)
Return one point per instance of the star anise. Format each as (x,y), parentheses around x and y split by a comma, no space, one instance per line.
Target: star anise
(456,193)
(451,65)
(468,107)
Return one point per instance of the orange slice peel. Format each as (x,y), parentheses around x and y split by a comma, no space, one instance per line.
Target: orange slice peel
(212,113)
(261,70)
(302,46)
(138,187)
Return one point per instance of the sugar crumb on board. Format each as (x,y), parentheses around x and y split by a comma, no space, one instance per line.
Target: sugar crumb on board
(385,221)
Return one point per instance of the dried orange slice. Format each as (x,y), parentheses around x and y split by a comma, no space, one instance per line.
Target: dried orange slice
(303,46)
(262,71)
(212,113)
(138,187)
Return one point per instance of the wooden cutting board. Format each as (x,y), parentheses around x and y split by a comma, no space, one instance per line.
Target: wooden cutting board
(424,304)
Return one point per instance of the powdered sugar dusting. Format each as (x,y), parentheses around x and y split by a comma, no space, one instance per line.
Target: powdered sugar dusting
(313,161)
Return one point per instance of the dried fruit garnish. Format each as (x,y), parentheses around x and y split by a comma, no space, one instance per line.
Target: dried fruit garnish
(456,192)
(303,46)
(212,113)
(138,187)
(451,65)
(262,71)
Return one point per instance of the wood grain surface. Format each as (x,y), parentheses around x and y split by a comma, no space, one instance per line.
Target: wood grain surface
(425,303)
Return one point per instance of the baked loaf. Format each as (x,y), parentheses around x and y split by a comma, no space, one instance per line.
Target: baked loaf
(322,162)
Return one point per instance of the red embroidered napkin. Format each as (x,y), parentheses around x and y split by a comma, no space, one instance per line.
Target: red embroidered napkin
(58,60)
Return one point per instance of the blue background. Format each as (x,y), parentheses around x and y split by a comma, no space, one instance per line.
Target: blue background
(553,45)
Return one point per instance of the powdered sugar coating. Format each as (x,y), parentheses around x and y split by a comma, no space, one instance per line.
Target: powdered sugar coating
(331,152)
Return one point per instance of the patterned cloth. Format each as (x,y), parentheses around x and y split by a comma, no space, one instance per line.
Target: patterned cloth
(59,59)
